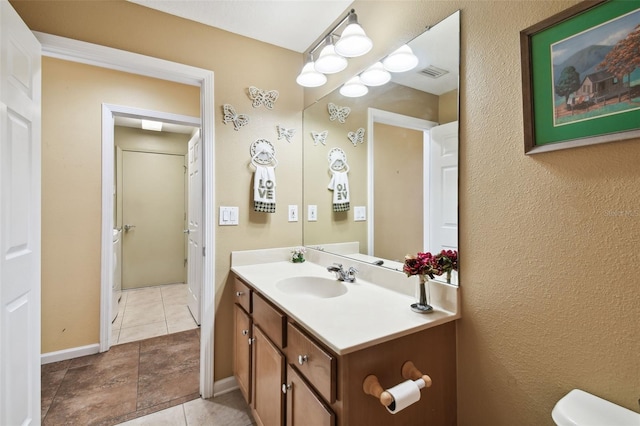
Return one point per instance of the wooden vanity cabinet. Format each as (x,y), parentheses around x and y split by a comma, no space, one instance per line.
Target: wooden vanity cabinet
(296,381)
(242,337)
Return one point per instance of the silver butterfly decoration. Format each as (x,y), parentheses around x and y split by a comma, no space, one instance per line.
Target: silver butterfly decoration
(356,137)
(263,97)
(284,133)
(338,113)
(320,137)
(230,116)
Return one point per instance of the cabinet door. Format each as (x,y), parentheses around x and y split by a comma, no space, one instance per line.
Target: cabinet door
(304,407)
(268,378)
(242,351)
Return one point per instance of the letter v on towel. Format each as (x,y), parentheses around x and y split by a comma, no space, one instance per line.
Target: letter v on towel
(264,189)
(339,184)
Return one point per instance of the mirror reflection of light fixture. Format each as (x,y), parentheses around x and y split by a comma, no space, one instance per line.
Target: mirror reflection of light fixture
(329,62)
(401,60)
(354,88)
(156,126)
(309,77)
(375,75)
(353,42)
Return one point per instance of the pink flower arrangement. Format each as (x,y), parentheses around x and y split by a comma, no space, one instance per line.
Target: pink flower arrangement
(428,264)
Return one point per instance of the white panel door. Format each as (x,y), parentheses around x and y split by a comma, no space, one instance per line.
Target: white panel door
(443,188)
(19,221)
(194,232)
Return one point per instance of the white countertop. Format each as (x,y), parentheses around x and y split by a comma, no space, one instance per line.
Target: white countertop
(366,315)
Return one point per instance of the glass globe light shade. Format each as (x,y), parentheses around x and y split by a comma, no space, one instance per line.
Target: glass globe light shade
(375,75)
(329,62)
(354,88)
(401,60)
(353,41)
(309,77)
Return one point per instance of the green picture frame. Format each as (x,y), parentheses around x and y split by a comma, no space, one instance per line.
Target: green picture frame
(578,89)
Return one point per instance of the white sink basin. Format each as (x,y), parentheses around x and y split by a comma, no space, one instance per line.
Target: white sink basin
(314,287)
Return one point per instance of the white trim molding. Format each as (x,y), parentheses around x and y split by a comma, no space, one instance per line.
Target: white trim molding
(71,353)
(106,57)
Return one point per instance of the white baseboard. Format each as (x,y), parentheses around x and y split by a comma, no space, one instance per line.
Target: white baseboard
(66,354)
(220,387)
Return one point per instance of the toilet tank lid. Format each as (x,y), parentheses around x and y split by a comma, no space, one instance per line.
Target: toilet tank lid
(580,408)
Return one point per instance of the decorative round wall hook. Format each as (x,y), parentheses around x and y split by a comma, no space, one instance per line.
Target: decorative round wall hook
(262,152)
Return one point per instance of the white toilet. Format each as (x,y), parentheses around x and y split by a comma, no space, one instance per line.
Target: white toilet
(579,408)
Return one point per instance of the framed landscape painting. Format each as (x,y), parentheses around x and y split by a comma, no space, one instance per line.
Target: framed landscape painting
(581,76)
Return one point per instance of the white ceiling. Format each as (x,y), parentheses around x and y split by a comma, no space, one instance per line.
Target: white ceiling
(292,24)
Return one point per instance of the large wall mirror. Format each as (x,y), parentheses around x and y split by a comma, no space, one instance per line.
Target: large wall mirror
(402,174)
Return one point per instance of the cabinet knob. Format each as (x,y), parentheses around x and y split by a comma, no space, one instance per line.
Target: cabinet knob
(245,332)
(239,293)
(302,359)
(251,340)
(285,387)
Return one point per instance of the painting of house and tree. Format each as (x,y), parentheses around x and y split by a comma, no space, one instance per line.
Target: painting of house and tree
(597,72)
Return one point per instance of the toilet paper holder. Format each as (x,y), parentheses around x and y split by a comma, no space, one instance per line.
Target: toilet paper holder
(371,384)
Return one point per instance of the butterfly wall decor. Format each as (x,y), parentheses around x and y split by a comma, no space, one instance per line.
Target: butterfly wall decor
(230,116)
(284,133)
(320,137)
(356,137)
(338,113)
(263,97)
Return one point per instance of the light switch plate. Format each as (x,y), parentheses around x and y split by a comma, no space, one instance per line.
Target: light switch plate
(228,216)
(293,213)
(359,213)
(312,213)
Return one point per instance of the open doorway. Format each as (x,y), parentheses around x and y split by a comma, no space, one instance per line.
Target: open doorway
(157,185)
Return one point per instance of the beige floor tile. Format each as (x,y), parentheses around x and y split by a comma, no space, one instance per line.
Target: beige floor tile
(143,296)
(173,416)
(140,315)
(229,409)
(139,332)
(175,327)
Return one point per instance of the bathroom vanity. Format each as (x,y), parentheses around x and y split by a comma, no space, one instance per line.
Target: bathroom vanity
(302,351)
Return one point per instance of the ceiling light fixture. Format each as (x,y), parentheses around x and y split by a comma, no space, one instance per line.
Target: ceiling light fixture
(329,62)
(353,42)
(309,77)
(156,126)
(375,75)
(401,60)
(354,88)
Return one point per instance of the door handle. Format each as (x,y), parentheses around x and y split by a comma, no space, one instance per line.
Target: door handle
(186,231)
(128,227)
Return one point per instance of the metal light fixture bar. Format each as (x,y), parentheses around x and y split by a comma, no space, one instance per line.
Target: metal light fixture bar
(333,30)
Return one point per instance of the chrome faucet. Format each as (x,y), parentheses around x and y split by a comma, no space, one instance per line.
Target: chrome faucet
(348,276)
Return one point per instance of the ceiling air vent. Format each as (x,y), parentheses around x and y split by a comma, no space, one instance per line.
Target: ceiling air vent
(433,72)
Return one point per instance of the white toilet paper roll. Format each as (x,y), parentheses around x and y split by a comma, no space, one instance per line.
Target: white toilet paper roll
(404,394)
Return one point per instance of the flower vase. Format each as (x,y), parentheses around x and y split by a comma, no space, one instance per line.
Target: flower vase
(448,277)
(297,259)
(423,297)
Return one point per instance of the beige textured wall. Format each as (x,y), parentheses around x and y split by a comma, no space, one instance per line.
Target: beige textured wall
(237,63)
(448,107)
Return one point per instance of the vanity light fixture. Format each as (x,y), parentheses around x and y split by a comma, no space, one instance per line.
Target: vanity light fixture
(332,59)
(309,77)
(354,88)
(329,62)
(353,41)
(375,75)
(156,126)
(401,60)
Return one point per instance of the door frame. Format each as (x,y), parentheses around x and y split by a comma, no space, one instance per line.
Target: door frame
(375,115)
(106,57)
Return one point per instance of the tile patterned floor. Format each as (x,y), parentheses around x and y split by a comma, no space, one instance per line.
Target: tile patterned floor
(128,381)
(229,409)
(151,311)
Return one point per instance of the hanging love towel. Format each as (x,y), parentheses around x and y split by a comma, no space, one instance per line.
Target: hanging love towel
(264,189)
(340,186)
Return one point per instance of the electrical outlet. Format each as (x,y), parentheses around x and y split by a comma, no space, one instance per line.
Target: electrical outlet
(312,214)
(293,213)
